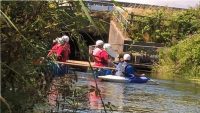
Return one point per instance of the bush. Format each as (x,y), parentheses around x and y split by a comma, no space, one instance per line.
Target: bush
(182,59)
(163,28)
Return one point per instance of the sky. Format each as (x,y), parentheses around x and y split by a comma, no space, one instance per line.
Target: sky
(170,3)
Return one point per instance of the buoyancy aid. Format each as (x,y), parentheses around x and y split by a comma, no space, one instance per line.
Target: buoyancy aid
(119,69)
(61,51)
(100,57)
(125,69)
(53,50)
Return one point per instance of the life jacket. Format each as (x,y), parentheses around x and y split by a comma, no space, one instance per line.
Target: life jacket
(63,52)
(100,57)
(119,69)
(123,70)
(53,50)
(60,51)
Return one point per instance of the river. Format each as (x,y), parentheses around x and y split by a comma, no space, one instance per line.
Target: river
(167,97)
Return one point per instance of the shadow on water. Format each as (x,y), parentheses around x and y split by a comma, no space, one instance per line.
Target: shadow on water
(169,96)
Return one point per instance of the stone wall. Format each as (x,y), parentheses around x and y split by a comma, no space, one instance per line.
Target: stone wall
(116,37)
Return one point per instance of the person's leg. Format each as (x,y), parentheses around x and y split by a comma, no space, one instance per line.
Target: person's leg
(107,72)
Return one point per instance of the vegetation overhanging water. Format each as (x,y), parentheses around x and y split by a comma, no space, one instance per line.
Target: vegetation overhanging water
(28,29)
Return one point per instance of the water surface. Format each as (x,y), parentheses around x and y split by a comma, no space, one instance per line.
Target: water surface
(167,97)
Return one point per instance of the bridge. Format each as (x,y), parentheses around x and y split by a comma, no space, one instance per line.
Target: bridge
(145,54)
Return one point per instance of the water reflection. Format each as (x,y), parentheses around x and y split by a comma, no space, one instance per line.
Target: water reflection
(111,93)
(94,97)
(168,96)
(53,94)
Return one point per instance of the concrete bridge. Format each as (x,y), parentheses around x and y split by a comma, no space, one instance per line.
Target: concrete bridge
(144,53)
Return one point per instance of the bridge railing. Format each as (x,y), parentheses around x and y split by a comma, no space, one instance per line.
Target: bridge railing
(99,6)
(142,53)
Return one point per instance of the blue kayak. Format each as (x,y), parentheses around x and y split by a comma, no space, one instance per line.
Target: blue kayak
(139,79)
(114,78)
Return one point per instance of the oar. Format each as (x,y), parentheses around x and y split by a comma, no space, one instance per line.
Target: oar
(84,65)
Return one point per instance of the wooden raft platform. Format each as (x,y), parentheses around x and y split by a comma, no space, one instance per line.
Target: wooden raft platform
(83,64)
(86,64)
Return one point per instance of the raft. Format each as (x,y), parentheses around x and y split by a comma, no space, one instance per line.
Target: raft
(114,78)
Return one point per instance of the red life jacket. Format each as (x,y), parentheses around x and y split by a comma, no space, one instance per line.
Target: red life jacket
(61,51)
(101,58)
(53,49)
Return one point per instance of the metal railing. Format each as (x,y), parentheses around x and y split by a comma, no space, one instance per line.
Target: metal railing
(99,6)
(142,54)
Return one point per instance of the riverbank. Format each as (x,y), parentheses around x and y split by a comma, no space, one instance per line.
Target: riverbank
(181,60)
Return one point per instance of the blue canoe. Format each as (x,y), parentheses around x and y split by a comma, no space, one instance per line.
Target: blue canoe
(114,78)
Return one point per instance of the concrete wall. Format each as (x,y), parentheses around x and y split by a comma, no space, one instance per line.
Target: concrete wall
(116,37)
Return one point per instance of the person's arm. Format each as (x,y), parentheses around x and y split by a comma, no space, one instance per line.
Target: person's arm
(104,56)
(129,71)
(137,74)
(52,50)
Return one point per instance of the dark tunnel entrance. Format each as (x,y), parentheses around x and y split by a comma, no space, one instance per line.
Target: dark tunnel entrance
(90,39)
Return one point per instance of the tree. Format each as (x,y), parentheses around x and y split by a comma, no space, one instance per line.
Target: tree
(27,30)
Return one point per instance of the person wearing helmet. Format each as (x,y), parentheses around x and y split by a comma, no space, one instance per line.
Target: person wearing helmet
(100,56)
(111,54)
(60,52)
(98,47)
(109,50)
(63,49)
(55,47)
(127,69)
(65,38)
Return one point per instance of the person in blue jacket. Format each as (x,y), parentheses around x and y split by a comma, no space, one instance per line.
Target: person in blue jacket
(118,65)
(128,69)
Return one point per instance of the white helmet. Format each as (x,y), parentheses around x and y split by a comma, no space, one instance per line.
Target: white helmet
(60,40)
(109,50)
(106,46)
(127,57)
(65,38)
(99,42)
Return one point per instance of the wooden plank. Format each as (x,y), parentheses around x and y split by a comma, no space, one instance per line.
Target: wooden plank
(86,64)
(79,62)
(83,64)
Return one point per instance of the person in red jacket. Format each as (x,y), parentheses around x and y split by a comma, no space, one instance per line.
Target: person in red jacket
(101,58)
(100,55)
(60,52)
(63,51)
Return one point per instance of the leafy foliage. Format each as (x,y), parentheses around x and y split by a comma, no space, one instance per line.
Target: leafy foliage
(182,59)
(27,31)
(164,27)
